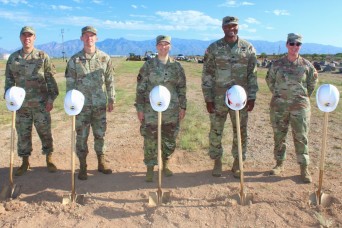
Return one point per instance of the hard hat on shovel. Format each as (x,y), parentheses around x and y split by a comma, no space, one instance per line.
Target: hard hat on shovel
(236,97)
(327,97)
(160,98)
(73,102)
(14,98)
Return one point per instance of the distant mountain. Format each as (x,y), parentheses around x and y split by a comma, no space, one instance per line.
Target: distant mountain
(179,46)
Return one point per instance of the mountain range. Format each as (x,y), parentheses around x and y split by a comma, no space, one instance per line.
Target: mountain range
(123,47)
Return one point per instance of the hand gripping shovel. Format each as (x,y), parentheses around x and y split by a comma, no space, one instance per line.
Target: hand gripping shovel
(159,99)
(318,197)
(235,99)
(244,198)
(12,190)
(159,197)
(73,104)
(73,198)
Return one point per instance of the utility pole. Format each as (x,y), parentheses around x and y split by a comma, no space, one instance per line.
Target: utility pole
(62,31)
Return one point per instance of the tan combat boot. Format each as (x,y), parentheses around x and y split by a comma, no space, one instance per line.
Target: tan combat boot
(51,167)
(24,167)
(304,172)
(236,168)
(149,174)
(167,172)
(278,168)
(217,170)
(82,174)
(102,166)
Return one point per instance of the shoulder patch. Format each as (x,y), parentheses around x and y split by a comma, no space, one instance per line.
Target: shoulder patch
(139,77)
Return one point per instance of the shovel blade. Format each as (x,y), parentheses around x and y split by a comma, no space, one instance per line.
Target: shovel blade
(67,199)
(10,192)
(243,199)
(320,199)
(155,200)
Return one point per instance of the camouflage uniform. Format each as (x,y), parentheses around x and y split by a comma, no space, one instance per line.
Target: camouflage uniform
(171,75)
(34,74)
(291,85)
(223,67)
(94,77)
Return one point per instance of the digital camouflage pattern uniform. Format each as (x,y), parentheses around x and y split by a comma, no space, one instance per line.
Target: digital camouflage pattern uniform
(291,85)
(223,67)
(34,74)
(172,76)
(94,77)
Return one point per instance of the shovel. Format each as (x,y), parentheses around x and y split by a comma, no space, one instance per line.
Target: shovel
(159,197)
(244,198)
(12,190)
(73,198)
(318,197)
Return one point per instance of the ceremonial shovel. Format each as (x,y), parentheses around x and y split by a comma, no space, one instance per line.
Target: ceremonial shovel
(159,197)
(244,198)
(73,198)
(318,197)
(12,190)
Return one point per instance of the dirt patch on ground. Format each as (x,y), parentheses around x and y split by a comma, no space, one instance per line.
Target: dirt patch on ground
(197,200)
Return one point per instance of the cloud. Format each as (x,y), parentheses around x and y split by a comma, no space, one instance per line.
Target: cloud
(97,1)
(278,12)
(231,3)
(61,7)
(77,1)
(134,6)
(14,2)
(269,27)
(245,27)
(251,20)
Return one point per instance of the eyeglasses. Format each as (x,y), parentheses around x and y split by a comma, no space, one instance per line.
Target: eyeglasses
(293,44)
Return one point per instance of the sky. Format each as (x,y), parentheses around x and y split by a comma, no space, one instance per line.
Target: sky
(317,21)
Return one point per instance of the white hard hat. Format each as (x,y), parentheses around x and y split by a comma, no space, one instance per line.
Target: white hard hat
(73,102)
(160,98)
(14,98)
(327,97)
(236,97)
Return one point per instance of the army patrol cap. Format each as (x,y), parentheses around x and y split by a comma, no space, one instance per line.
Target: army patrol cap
(89,29)
(230,21)
(161,38)
(293,37)
(28,29)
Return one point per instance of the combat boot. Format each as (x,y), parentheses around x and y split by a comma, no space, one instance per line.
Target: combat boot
(304,172)
(102,166)
(217,170)
(24,167)
(82,174)
(278,168)
(149,174)
(167,172)
(236,168)
(51,167)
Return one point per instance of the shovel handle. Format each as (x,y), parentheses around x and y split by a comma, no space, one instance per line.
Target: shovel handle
(73,139)
(323,151)
(12,148)
(238,132)
(159,150)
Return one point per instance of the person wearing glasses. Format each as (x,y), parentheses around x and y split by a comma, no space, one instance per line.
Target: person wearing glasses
(228,61)
(291,80)
(91,72)
(165,71)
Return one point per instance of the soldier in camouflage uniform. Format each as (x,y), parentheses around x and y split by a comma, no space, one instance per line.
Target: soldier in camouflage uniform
(91,72)
(292,80)
(165,71)
(228,61)
(32,70)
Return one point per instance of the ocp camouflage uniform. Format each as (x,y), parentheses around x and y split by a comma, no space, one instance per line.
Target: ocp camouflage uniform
(291,85)
(35,75)
(223,67)
(172,76)
(94,77)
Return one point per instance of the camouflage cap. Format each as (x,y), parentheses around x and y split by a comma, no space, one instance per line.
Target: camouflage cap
(161,38)
(28,29)
(230,21)
(89,29)
(293,37)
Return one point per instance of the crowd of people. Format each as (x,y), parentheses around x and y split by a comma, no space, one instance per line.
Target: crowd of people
(228,61)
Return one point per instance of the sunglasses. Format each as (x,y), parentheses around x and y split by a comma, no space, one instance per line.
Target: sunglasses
(293,44)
